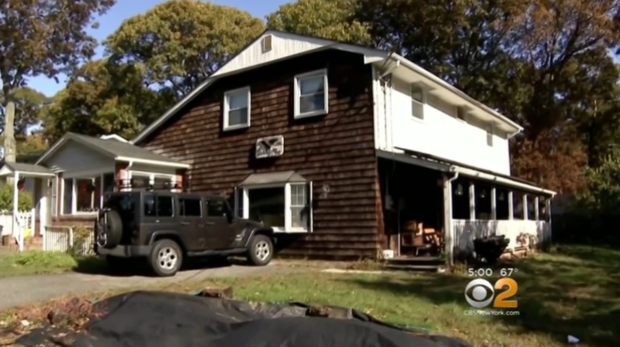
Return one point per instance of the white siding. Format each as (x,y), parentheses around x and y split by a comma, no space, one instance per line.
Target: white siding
(76,157)
(443,135)
(282,45)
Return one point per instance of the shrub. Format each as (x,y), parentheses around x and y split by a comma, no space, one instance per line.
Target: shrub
(24,201)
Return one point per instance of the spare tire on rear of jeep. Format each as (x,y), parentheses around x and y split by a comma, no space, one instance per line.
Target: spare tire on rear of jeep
(111,229)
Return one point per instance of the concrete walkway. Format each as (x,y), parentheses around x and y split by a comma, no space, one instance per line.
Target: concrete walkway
(18,291)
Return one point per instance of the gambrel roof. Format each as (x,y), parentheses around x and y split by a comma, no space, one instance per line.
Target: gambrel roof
(274,46)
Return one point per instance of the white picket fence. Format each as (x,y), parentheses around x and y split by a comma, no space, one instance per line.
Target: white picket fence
(62,239)
(24,219)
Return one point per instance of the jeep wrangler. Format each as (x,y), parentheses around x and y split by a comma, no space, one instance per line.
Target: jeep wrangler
(166,227)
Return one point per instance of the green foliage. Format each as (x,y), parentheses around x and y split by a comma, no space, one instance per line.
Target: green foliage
(43,37)
(601,194)
(332,19)
(181,42)
(112,95)
(24,200)
(82,242)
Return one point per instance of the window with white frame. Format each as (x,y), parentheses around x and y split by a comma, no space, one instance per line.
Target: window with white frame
(85,194)
(286,207)
(237,108)
(489,135)
(311,94)
(417,102)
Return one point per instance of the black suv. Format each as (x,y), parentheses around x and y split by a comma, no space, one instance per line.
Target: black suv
(165,227)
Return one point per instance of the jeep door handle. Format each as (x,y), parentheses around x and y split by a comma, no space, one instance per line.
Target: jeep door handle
(209,223)
(184,223)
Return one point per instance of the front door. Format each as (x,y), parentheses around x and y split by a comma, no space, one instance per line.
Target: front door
(220,233)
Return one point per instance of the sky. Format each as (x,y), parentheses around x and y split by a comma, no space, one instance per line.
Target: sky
(125,9)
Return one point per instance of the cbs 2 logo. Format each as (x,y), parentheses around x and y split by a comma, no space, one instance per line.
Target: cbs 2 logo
(480,293)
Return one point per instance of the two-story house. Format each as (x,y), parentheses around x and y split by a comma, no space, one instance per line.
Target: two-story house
(346,151)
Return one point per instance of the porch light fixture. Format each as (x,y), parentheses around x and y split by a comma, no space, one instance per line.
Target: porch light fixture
(501,196)
(459,190)
(483,193)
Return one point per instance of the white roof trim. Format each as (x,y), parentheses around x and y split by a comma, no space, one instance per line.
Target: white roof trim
(114,137)
(503,180)
(370,56)
(154,162)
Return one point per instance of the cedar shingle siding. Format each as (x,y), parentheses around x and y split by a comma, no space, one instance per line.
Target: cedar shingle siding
(336,150)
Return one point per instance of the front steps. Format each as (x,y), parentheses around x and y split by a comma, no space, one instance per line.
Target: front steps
(33,243)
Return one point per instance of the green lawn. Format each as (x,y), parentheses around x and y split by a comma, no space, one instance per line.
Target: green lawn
(38,262)
(573,290)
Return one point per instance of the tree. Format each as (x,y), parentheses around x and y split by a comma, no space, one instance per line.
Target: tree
(105,97)
(330,19)
(181,42)
(43,37)
(520,57)
(28,106)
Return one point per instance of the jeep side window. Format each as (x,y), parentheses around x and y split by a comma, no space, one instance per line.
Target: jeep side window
(216,208)
(189,207)
(158,206)
(149,206)
(164,206)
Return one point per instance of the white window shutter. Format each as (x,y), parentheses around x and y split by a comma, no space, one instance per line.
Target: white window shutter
(310,208)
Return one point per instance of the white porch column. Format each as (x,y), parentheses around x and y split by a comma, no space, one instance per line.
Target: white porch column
(525,207)
(536,212)
(493,203)
(510,206)
(449,234)
(472,201)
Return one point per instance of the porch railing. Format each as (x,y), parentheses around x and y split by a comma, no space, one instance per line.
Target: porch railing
(61,239)
(522,233)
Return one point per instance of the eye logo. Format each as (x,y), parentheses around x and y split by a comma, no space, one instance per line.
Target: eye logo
(480,293)
(480,289)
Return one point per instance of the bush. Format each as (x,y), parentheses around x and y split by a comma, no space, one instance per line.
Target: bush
(24,201)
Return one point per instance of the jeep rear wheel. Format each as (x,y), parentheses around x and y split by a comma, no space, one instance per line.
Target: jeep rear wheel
(166,258)
(260,251)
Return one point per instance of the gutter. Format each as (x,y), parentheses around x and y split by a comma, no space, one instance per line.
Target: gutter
(489,177)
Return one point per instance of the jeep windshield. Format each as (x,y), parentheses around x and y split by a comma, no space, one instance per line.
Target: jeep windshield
(123,203)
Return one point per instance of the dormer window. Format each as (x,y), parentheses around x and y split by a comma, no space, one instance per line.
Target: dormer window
(311,94)
(237,109)
(417,102)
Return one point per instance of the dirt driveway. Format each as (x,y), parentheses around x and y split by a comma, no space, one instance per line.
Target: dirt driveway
(23,290)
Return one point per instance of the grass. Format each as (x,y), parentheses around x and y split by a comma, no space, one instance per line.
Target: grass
(570,291)
(38,262)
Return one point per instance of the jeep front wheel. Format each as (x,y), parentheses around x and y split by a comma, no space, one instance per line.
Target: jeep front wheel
(260,251)
(166,258)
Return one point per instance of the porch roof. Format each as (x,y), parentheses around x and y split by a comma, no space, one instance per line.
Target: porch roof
(443,165)
(119,150)
(10,168)
(273,178)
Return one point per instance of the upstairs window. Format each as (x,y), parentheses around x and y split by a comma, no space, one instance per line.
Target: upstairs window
(237,109)
(417,102)
(460,113)
(490,136)
(311,94)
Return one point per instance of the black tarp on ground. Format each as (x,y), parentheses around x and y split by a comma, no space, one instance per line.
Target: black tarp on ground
(161,319)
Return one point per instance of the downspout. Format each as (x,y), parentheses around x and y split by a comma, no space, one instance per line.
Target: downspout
(449,230)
